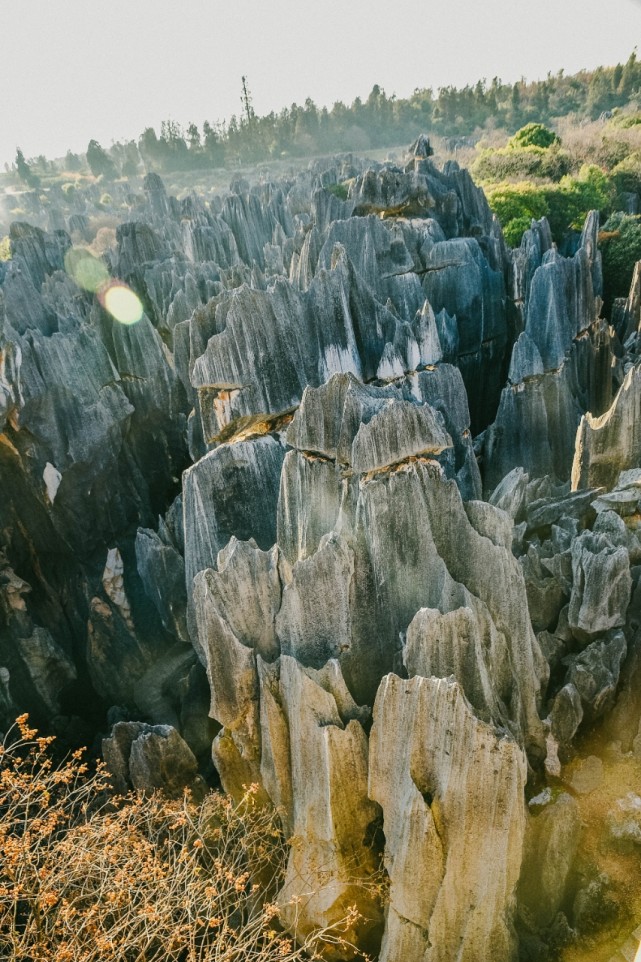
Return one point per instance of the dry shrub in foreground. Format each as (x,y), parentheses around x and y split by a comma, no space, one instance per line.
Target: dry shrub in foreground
(89,878)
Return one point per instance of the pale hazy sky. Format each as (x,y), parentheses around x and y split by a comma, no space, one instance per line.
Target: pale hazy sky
(77,69)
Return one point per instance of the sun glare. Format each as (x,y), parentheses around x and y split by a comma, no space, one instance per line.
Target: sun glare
(87,271)
(121,302)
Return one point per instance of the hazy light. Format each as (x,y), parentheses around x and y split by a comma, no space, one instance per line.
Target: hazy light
(439,44)
(115,296)
(87,271)
(122,303)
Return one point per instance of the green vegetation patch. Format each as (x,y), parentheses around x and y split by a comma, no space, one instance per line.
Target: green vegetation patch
(621,249)
(339,190)
(565,204)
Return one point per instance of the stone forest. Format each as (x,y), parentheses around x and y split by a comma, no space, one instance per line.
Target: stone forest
(319,487)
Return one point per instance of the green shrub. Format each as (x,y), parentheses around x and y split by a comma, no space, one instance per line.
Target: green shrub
(517,200)
(571,201)
(509,162)
(533,135)
(338,190)
(626,175)
(5,249)
(565,205)
(621,249)
(515,229)
(625,121)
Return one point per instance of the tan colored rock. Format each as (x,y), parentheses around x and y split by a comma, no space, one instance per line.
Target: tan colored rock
(331,818)
(451,791)
(551,841)
(114,585)
(425,553)
(611,443)
(233,680)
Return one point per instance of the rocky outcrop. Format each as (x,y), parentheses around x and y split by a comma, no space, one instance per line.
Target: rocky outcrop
(149,757)
(611,443)
(454,822)
(250,527)
(560,366)
(552,837)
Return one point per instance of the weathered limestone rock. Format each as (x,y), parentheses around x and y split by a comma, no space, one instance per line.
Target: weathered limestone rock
(602,584)
(311,492)
(463,644)
(261,358)
(595,673)
(332,814)
(624,821)
(509,494)
(547,511)
(162,570)
(34,663)
(459,279)
(233,680)
(310,629)
(454,821)
(566,714)
(280,590)
(627,318)
(424,552)
(246,572)
(39,252)
(233,490)
(442,387)
(609,444)
(148,757)
(401,430)
(551,842)
(561,363)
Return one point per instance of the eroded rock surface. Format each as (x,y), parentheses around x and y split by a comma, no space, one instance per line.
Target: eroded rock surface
(255,519)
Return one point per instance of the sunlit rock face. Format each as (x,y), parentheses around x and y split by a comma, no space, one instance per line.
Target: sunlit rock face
(243,460)
(454,815)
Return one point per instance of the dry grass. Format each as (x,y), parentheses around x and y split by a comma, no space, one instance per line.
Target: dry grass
(86,877)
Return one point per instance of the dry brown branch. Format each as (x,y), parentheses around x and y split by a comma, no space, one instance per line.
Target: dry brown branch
(86,877)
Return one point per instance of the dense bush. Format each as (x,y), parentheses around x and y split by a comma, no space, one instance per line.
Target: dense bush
(516,205)
(511,163)
(533,135)
(621,249)
(85,877)
(565,205)
(625,121)
(626,175)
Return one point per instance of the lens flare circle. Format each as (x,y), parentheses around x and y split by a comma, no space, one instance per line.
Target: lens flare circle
(122,303)
(87,271)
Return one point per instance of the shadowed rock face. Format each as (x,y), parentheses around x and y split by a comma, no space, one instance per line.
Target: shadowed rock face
(560,366)
(252,526)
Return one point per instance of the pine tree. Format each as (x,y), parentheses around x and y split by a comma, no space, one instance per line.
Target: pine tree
(25,173)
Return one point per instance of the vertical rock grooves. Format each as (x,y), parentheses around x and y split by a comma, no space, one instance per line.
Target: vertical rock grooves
(250,528)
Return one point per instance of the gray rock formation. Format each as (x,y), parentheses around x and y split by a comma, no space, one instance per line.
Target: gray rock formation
(148,757)
(551,840)
(454,823)
(611,443)
(253,520)
(559,365)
